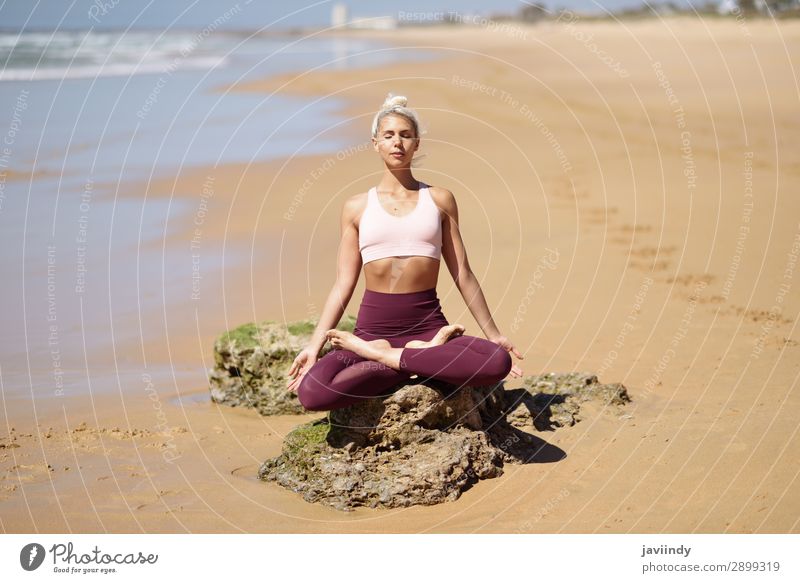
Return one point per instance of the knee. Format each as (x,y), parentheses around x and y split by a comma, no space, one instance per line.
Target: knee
(313,395)
(501,363)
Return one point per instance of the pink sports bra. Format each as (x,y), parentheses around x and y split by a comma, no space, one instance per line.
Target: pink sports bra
(419,232)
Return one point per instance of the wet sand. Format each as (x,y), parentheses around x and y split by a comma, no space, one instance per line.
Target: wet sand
(663,190)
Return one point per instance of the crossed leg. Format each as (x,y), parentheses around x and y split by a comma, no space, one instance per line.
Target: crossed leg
(381,350)
(464,360)
(458,360)
(344,377)
(358,369)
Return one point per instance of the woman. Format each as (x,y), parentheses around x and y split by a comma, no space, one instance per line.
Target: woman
(398,231)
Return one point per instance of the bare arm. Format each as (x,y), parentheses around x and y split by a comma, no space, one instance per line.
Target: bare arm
(347,272)
(455,256)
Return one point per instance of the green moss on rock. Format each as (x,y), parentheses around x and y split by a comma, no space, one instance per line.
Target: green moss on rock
(251,362)
(247,335)
(311,435)
(242,336)
(302,328)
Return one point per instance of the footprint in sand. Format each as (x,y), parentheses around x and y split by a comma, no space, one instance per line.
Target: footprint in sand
(634,229)
(164,500)
(646,257)
(28,473)
(627,233)
(661,265)
(647,251)
(598,215)
(568,189)
(7,490)
(248,473)
(691,279)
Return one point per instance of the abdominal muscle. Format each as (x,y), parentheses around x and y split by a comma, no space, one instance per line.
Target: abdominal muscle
(399,275)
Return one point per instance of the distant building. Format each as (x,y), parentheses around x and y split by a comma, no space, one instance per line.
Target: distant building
(379,22)
(339,15)
(340,18)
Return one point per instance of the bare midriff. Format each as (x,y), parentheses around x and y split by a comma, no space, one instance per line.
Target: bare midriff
(397,275)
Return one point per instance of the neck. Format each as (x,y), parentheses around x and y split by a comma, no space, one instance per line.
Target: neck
(397,180)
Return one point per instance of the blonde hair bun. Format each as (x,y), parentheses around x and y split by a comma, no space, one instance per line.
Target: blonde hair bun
(395,101)
(396,104)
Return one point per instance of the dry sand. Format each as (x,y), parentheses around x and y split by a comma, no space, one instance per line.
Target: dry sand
(670,278)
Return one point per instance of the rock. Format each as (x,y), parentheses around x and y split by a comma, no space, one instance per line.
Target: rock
(251,362)
(554,400)
(416,446)
(427,443)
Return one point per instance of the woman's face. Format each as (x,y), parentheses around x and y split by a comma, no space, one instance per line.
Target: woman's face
(396,141)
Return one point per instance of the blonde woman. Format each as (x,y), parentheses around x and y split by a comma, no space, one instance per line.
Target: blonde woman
(399,231)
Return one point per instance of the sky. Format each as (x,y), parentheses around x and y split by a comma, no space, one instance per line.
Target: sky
(84,14)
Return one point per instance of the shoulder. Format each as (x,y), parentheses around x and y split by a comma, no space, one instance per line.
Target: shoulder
(353,206)
(443,198)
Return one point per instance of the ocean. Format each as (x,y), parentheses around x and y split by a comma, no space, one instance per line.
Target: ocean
(83,108)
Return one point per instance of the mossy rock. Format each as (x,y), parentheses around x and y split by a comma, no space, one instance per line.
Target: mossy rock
(251,362)
(244,336)
(425,444)
(416,446)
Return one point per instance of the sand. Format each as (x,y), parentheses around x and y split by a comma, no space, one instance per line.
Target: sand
(654,160)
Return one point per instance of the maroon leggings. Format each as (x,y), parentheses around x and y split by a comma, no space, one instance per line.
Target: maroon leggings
(342,377)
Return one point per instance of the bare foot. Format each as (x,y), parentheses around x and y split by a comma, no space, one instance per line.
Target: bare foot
(378,350)
(442,336)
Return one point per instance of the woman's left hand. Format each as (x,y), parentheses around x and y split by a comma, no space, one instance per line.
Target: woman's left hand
(507,344)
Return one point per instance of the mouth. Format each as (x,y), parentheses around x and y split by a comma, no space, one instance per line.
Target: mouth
(398,154)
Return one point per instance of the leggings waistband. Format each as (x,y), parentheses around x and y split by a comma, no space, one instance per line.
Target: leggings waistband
(384,297)
(386,314)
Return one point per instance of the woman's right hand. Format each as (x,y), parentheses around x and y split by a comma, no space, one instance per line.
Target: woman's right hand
(302,363)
